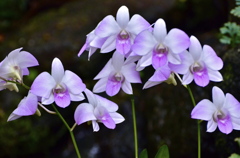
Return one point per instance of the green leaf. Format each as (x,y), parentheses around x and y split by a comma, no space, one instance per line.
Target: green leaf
(144,154)
(234,156)
(236,11)
(162,152)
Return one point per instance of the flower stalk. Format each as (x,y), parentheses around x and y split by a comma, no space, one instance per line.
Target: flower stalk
(134,128)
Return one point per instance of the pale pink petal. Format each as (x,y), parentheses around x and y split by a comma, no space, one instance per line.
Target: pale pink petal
(161,74)
(187,78)
(204,110)
(144,43)
(84,113)
(218,97)
(137,24)
(100,86)
(95,126)
(232,105)
(107,69)
(215,75)
(149,84)
(117,61)
(126,87)
(211,126)
(57,70)
(195,48)
(160,30)
(122,16)
(109,105)
(130,73)
(43,84)
(177,40)
(107,27)
(117,118)
(109,45)
(211,59)
(73,82)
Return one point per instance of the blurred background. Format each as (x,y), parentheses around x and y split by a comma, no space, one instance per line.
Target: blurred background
(58,28)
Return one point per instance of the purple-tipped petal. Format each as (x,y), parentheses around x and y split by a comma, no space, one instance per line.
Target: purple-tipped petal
(225,125)
(113,86)
(177,40)
(137,24)
(195,48)
(204,110)
(143,43)
(73,82)
(43,84)
(122,16)
(102,115)
(57,70)
(62,99)
(107,27)
(201,78)
(160,30)
(211,59)
(84,113)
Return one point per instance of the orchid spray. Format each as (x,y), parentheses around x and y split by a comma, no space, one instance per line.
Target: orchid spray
(135,45)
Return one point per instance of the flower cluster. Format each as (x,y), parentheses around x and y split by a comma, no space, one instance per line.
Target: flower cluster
(136,44)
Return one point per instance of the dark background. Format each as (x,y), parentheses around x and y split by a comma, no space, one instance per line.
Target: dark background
(58,28)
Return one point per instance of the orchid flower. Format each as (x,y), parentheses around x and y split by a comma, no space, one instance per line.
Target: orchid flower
(61,86)
(200,64)
(16,64)
(120,33)
(27,106)
(116,75)
(98,110)
(158,47)
(223,112)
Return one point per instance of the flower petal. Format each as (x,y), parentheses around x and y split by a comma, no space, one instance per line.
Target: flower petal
(117,61)
(201,78)
(109,105)
(100,86)
(211,59)
(218,97)
(137,24)
(149,84)
(130,73)
(73,82)
(160,30)
(177,40)
(143,43)
(57,70)
(211,126)
(215,75)
(232,105)
(113,86)
(103,116)
(122,16)
(84,113)
(123,46)
(225,126)
(107,69)
(95,126)
(126,87)
(195,48)
(62,99)
(187,78)
(161,74)
(43,84)
(109,45)
(117,118)
(204,110)
(107,27)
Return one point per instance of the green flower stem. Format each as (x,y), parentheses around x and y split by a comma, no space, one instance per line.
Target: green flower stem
(198,122)
(70,131)
(134,128)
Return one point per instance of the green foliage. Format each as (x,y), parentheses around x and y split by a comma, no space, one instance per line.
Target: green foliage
(144,154)
(234,156)
(162,152)
(236,11)
(230,34)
